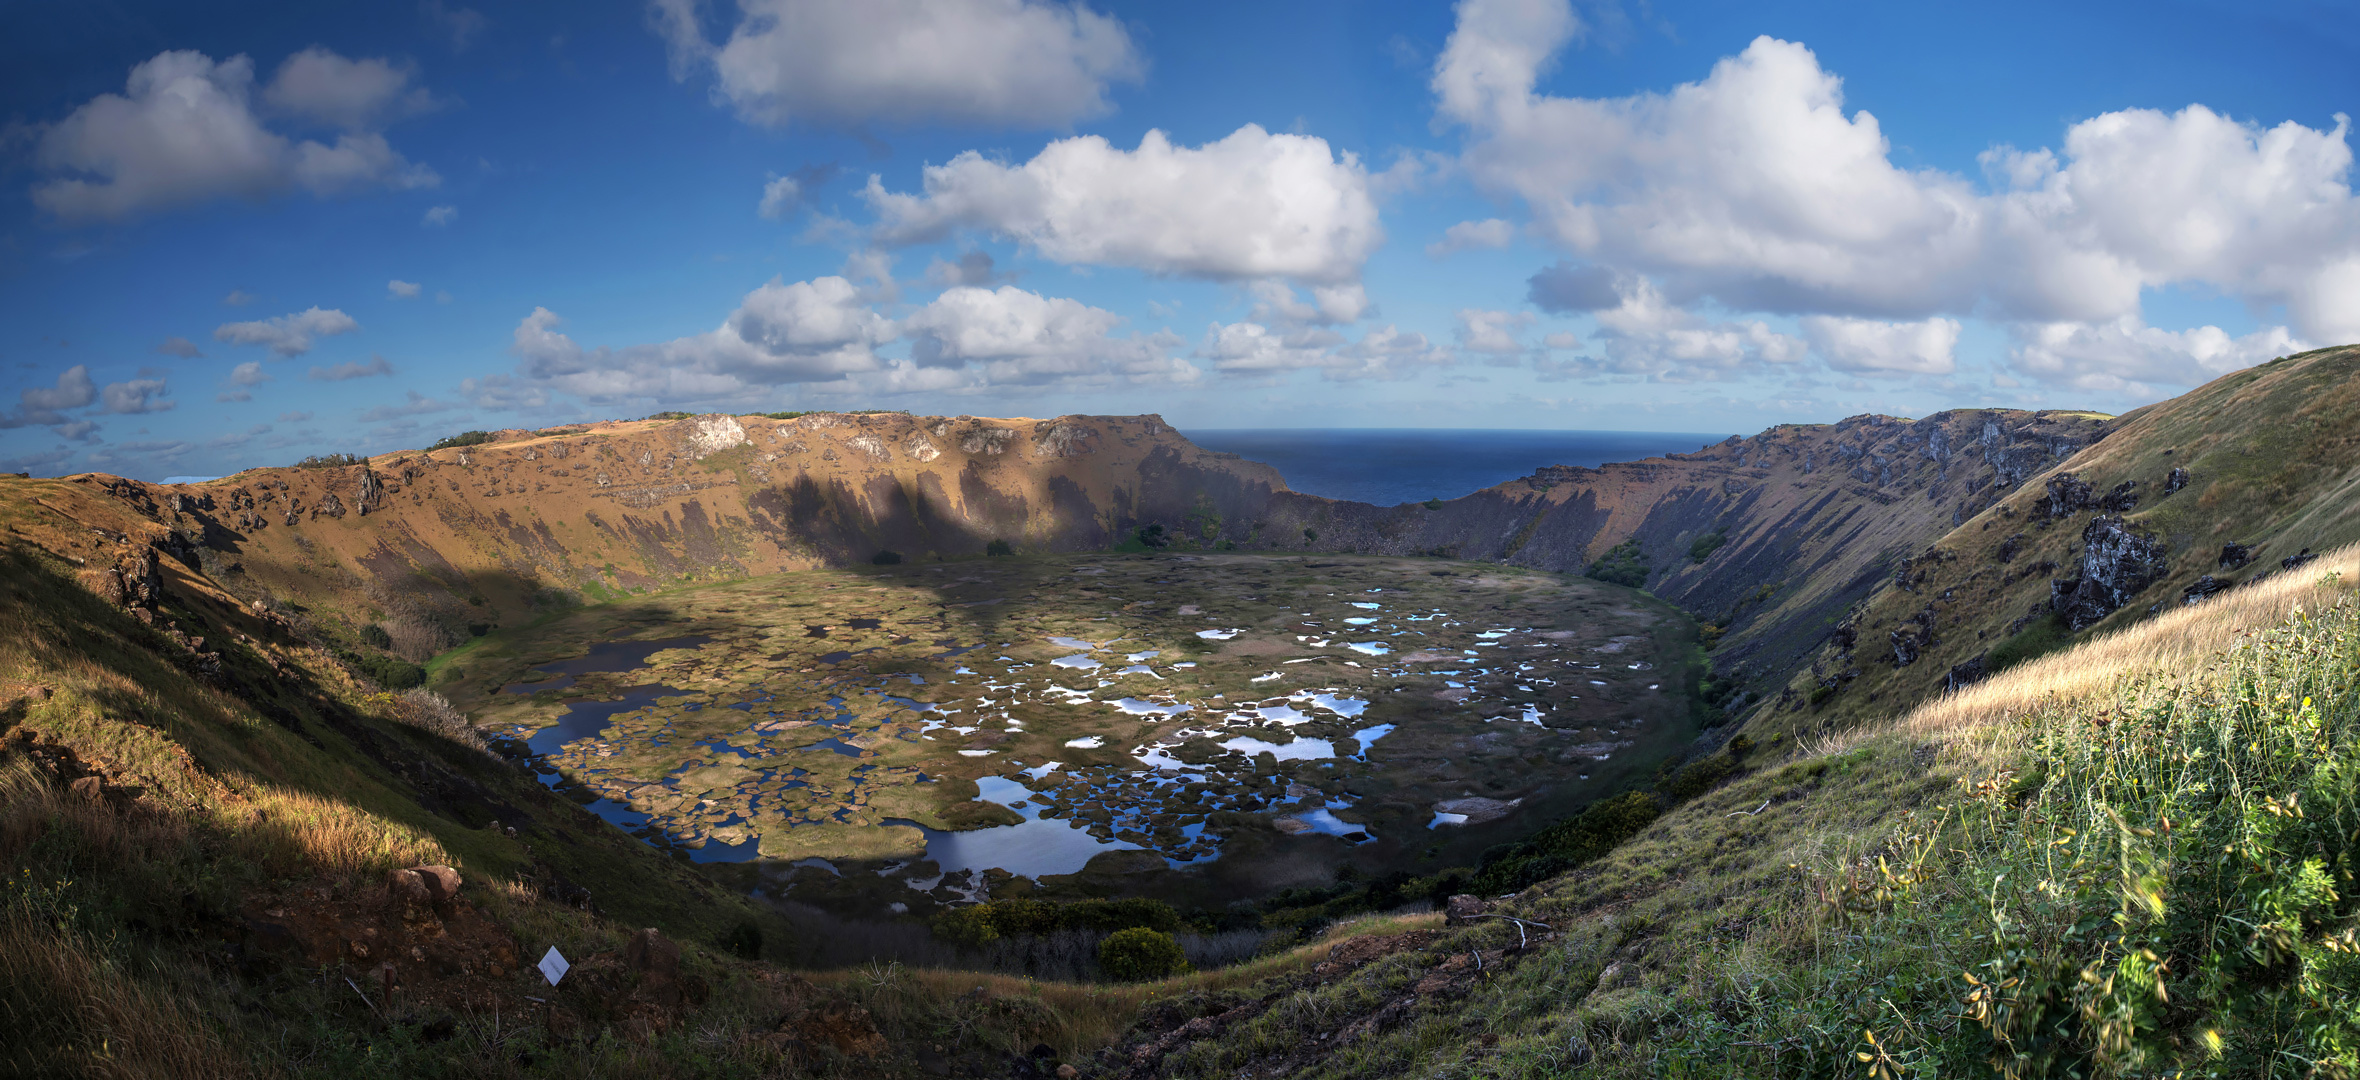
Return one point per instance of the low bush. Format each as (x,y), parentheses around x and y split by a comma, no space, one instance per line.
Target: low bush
(1705,545)
(886,558)
(1140,954)
(1623,564)
(999,547)
(464,438)
(329,461)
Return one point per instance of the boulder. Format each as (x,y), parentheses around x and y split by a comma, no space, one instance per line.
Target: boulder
(441,881)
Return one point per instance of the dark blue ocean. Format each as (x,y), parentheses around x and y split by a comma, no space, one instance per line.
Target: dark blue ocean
(1387,466)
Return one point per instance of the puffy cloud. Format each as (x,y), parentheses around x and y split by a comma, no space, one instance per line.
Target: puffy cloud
(242,379)
(1249,348)
(437,217)
(780,197)
(402,290)
(503,392)
(2127,355)
(356,95)
(135,396)
(1755,187)
(803,331)
(288,335)
(45,405)
(993,62)
(239,298)
(1275,302)
(1010,336)
(1492,332)
(180,347)
(1646,335)
(1470,235)
(1868,346)
(185,131)
(1251,205)
(352,369)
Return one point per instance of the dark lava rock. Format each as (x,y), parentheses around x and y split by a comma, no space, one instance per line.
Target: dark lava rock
(2177,480)
(2203,588)
(2068,494)
(2117,563)
(2234,555)
(1964,675)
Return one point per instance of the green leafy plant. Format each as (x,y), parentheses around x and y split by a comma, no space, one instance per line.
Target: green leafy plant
(464,438)
(886,558)
(1139,954)
(1705,545)
(999,547)
(1623,564)
(329,461)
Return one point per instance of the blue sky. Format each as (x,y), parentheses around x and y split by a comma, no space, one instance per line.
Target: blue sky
(236,234)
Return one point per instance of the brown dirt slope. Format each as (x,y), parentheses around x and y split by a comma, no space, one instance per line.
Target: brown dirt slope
(2208,491)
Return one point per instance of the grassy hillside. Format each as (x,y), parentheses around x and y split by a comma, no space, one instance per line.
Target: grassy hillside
(2201,494)
(2104,868)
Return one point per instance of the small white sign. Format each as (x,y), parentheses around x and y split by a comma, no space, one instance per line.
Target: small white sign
(553,966)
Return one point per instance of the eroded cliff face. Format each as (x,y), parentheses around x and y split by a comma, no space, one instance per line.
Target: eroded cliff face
(435,543)
(1811,519)
(2184,500)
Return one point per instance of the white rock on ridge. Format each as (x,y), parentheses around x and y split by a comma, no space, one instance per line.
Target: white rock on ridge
(712,434)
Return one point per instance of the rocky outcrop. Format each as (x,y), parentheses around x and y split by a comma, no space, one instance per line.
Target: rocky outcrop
(2118,562)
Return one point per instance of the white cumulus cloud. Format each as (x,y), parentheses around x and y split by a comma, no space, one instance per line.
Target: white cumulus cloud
(1010,336)
(1870,346)
(2128,355)
(1251,205)
(184,131)
(1759,188)
(288,335)
(402,290)
(45,405)
(991,62)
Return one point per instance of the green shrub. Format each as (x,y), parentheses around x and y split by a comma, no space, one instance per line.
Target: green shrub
(1623,564)
(966,924)
(886,558)
(999,547)
(1705,545)
(670,414)
(1140,954)
(390,672)
(329,461)
(1433,504)
(786,415)
(1698,777)
(375,637)
(464,438)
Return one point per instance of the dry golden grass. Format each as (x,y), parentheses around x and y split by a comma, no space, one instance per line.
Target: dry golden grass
(2177,640)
